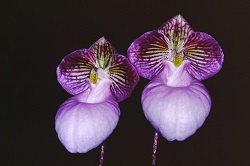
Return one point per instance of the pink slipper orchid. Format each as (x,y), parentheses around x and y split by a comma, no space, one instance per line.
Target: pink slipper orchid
(176,58)
(98,78)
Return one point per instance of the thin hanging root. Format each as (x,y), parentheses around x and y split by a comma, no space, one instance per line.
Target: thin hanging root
(102,155)
(154,148)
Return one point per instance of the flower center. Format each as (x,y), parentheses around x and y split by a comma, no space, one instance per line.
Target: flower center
(97,74)
(176,57)
(178,60)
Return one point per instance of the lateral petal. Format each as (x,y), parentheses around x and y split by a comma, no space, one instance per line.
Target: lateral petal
(205,54)
(147,52)
(124,76)
(74,70)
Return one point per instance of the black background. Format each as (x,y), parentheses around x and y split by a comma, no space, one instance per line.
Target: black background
(43,32)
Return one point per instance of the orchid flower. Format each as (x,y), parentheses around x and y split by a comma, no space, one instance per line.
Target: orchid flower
(98,78)
(176,58)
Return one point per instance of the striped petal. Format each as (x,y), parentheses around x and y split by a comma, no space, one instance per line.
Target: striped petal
(124,77)
(176,30)
(74,70)
(205,54)
(147,52)
(103,51)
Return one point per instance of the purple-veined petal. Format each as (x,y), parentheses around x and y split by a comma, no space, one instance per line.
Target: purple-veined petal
(85,120)
(124,76)
(176,29)
(74,70)
(205,54)
(176,111)
(103,51)
(147,52)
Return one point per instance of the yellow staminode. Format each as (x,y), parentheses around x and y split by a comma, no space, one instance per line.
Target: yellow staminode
(93,78)
(178,60)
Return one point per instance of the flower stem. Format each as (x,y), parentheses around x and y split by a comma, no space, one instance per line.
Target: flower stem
(154,148)
(102,155)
